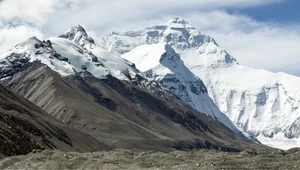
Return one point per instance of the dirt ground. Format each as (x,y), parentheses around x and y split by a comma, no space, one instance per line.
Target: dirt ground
(126,159)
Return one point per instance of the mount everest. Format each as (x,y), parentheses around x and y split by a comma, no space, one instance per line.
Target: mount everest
(179,59)
(260,103)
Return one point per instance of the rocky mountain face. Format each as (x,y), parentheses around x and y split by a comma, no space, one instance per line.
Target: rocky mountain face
(25,127)
(260,103)
(120,114)
(107,97)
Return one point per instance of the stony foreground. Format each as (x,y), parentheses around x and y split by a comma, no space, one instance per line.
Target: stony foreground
(124,159)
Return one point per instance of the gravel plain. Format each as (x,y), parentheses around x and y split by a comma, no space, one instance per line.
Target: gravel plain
(127,159)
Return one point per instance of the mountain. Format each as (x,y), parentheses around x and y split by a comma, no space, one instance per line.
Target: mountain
(25,127)
(79,35)
(66,58)
(107,97)
(163,64)
(192,96)
(261,103)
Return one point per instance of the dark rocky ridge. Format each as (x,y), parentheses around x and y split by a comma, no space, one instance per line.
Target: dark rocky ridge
(25,127)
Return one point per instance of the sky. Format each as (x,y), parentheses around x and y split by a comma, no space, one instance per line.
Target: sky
(263,34)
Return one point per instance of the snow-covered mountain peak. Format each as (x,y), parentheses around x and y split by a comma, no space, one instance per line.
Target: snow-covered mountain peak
(30,40)
(181,24)
(31,50)
(177,33)
(262,103)
(79,35)
(66,57)
(28,44)
(177,21)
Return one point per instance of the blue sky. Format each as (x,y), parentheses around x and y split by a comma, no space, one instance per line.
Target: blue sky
(258,33)
(286,12)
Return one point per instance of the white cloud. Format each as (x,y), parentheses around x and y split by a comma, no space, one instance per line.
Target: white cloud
(11,36)
(275,49)
(253,43)
(26,11)
(95,14)
(21,19)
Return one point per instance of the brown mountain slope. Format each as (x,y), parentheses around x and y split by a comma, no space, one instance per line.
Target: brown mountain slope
(24,127)
(121,114)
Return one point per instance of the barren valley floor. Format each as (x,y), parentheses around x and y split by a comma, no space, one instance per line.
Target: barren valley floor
(126,159)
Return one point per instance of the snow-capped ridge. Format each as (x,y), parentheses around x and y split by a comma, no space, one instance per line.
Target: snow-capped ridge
(32,39)
(79,35)
(66,57)
(30,50)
